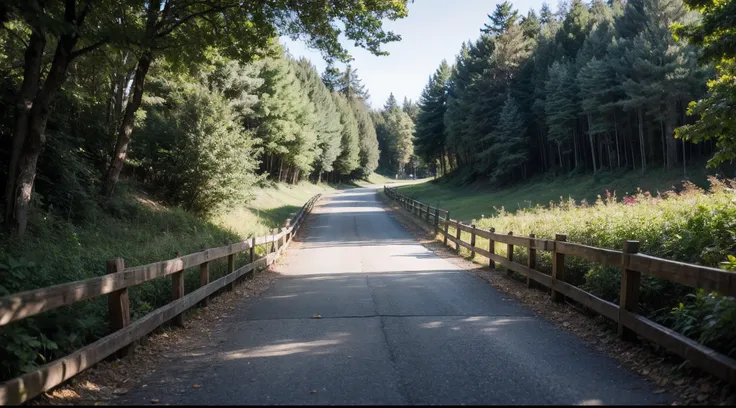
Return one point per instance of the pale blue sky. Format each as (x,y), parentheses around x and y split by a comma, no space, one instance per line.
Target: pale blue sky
(434,30)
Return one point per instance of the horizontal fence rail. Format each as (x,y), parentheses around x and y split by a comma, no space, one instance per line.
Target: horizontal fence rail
(115,285)
(631,263)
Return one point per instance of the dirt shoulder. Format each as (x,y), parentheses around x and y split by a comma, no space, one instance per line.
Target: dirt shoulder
(690,385)
(108,379)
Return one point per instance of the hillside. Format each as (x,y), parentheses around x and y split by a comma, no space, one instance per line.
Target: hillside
(474,201)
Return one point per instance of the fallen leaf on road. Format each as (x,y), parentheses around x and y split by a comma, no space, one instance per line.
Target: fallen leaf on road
(195,386)
(659,391)
(313,392)
(316,316)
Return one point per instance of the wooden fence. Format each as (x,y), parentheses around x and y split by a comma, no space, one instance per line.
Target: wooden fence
(631,263)
(115,285)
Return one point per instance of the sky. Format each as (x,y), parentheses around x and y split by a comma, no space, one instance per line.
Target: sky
(433,31)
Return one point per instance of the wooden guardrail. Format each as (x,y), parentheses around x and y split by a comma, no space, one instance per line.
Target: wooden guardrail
(631,263)
(115,285)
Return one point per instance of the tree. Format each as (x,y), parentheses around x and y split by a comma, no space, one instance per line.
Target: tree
(411,108)
(349,157)
(327,124)
(560,109)
(368,141)
(503,17)
(390,103)
(430,124)
(286,121)
(351,86)
(76,28)
(400,130)
(715,34)
(508,148)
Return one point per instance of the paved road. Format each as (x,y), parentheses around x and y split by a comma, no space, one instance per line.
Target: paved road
(398,326)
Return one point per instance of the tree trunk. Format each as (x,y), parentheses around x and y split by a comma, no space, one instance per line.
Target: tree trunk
(673,159)
(126,126)
(664,146)
(642,148)
(615,130)
(575,148)
(592,145)
(30,130)
(26,96)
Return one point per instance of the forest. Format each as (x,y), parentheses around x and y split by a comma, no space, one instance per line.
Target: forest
(195,102)
(592,87)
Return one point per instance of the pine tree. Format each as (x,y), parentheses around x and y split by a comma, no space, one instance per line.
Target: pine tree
(430,125)
(349,157)
(286,121)
(410,108)
(508,149)
(502,18)
(560,108)
(351,86)
(327,124)
(390,103)
(368,145)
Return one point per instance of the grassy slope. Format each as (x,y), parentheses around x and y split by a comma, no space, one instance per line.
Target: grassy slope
(468,203)
(269,209)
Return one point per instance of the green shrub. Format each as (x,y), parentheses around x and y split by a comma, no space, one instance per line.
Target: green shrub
(689,226)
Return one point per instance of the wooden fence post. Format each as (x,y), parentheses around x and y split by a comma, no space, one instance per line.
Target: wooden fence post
(253,255)
(630,281)
(177,292)
(531,261)
(457,236)
(492,249)
(472,241)
(436,221)
(118,303)
(558,268)
(447,226)
(509,254)
(204,277)
(230,269)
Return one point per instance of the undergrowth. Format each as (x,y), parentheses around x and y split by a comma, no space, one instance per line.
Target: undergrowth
(689,226)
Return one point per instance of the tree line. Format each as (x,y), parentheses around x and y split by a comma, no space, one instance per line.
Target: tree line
(594,86)
(196,100)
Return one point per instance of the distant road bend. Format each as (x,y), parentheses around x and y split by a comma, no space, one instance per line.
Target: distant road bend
(398,325)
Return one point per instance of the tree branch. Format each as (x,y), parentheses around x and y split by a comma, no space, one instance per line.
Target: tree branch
(89,48)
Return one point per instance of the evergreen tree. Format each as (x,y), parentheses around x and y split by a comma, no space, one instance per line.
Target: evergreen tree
(327,123)
(503,17)
(368,145)
(349,157)
(561,110)
(351,86)
(430,125)
(391,103)
(508,149)
(286,121)
(410,108)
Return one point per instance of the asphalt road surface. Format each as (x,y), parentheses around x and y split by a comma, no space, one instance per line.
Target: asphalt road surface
(398,325)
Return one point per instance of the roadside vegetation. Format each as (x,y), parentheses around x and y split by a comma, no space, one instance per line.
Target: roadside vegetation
(687,223)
